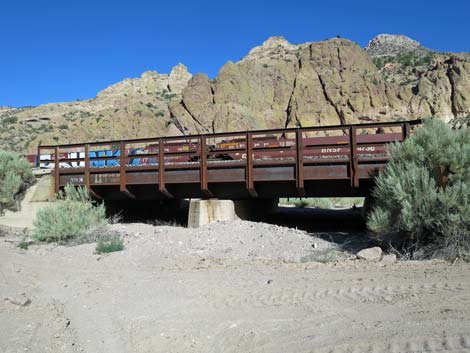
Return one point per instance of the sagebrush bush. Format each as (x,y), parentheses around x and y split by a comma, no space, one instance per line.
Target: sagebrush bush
(74,217)
(110,245)
(322,202)
(423,193)
(15,172)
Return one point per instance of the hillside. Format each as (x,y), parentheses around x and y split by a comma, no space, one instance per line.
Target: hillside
(276,84)
(131,108)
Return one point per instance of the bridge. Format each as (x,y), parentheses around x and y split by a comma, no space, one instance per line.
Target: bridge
(327,161)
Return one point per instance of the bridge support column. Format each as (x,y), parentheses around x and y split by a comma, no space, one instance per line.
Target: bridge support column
(202,212)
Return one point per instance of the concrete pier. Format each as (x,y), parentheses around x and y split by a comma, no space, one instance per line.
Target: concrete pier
(202,212)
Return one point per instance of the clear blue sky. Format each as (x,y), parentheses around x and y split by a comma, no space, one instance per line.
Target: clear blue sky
(64,50)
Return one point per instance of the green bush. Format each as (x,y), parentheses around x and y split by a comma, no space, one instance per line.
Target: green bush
(410,58)
(323,202)
(423,194)
(23,244)
(15,172)
(110,245)
(9,120)
(74,217)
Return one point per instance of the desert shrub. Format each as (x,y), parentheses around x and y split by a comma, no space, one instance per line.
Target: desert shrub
(23,244)
(422,196)
(109,245)
(9,120)
(74,217)
(300,203)
(323,202)
(15,174)
(409,58)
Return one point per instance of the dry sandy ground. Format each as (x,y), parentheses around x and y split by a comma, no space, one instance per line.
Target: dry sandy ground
(230,287)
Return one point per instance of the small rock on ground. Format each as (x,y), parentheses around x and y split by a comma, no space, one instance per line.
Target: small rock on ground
(389,259)
(370,254)
(20,300)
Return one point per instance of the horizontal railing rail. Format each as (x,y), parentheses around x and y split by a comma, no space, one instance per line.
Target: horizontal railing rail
(242,133)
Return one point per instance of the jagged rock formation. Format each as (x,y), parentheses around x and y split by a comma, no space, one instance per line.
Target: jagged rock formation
(277,84)
(328,82)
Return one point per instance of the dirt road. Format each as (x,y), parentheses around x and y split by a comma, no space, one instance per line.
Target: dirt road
(67,299)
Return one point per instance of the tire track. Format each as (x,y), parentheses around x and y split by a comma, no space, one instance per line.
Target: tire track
(270,335)
(365,294)
(307,339)
(430,344)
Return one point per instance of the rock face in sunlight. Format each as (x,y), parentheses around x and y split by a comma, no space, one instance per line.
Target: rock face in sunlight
(329,82)
(277,84)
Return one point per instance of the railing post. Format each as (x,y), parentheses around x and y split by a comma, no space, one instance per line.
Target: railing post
(122,166)
(87,167)
(56,170)
(353,165)
(203,167)
(405,131)
(161,168)
(37,162)
(249,166)
(299,163)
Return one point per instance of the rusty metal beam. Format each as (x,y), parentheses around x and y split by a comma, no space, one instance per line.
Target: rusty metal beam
(122,166)
(353,164)
(243,133)
(87,167)
(122,171)
(161,169)
(56,170)
(87,174)
(249,166)
(405,131)
(38,158)
(203,168)
(299,163)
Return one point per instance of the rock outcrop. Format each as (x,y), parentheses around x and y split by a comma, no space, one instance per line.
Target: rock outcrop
(392,45)
(329,82)
(131,108)
(277,84)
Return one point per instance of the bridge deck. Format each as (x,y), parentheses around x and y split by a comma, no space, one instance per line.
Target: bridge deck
(316,161)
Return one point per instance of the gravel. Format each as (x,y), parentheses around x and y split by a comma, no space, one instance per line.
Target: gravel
(226,242)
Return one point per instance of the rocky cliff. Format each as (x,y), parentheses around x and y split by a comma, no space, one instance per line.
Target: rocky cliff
(328,82)
(277,84)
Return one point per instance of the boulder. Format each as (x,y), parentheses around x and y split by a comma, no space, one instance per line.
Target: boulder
(370,254)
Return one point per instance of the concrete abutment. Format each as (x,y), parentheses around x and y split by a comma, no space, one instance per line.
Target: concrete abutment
(202,212)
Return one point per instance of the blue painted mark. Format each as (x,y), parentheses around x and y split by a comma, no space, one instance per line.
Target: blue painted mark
(135,161)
